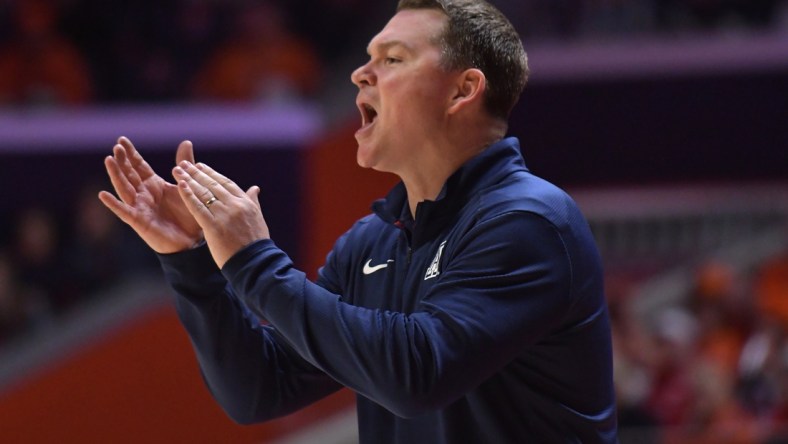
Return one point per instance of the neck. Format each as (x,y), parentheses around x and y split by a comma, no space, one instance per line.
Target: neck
(426,186)
(425,181)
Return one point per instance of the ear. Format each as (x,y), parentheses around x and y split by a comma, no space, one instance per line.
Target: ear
(470,88)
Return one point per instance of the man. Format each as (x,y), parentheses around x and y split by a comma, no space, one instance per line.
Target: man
(468,308)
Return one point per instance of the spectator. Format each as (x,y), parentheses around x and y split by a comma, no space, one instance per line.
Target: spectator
(724,313)
(672,393)
(763,365)
(716,417)
(631,358)
(101,252)
(20,308)
(261,62)
(199,27)
(771,289)
(37,257)
(39,66)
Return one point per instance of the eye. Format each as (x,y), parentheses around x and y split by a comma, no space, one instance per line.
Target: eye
(390,60)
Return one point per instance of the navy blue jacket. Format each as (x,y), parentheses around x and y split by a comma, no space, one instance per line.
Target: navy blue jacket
(482,320)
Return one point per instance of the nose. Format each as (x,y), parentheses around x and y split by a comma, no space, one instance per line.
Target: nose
(363,75)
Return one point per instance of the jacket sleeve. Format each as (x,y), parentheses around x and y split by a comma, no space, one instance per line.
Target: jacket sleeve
(248,367)
(505,285)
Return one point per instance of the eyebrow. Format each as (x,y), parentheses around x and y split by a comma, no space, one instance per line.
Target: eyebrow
(383,46)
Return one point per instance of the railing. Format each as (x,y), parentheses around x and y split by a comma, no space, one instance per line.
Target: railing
(671,222)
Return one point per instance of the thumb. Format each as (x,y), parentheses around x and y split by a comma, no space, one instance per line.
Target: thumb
(254,193)
(185,152)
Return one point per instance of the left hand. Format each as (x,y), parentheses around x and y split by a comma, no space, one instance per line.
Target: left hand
(230,218)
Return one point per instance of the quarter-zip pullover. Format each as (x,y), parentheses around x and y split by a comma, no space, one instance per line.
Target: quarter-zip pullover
(482,319)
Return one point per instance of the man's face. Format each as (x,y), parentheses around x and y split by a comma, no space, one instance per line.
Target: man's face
(403,92)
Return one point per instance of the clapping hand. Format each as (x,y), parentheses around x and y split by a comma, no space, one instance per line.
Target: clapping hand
(148,203)
(230,217)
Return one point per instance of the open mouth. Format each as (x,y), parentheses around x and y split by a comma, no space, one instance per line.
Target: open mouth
(368,114)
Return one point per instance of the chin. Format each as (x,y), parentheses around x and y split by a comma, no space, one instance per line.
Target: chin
(364,157)
(375,156)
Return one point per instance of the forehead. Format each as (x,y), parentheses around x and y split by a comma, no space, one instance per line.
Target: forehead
(413,29)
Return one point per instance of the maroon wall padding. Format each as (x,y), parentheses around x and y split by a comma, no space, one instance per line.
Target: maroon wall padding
(137,384)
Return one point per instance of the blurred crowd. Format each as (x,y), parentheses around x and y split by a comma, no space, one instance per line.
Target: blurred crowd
(85,51)
(711,370)
(50,266)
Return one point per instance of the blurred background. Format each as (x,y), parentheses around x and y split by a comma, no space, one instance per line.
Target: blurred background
(667,120)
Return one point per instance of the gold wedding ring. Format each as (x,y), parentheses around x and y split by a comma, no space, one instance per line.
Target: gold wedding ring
(210,201)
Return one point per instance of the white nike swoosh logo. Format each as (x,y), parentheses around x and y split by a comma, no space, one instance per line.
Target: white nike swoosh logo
(371,269)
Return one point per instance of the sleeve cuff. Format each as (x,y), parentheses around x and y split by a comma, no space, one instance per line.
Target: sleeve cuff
(193,273)
(248,254)
(194,262)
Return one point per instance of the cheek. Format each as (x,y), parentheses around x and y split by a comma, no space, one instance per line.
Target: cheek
(417,107)
(415,101)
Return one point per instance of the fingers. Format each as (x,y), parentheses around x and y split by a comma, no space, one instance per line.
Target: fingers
(125,166)
(185,152)
(120,181)
(194,203)
(120,209)
(186,178)
(254,193)
(206,183)
(220,179)
(135,160)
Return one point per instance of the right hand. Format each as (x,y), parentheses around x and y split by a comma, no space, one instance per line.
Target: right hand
(148,203)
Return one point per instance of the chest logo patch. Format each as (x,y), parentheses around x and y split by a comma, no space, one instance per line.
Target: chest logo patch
(434,269)
(369,269)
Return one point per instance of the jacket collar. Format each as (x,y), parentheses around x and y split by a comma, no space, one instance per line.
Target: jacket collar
(489,167)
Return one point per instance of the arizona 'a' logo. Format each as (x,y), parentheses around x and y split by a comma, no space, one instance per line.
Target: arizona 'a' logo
(434,269)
